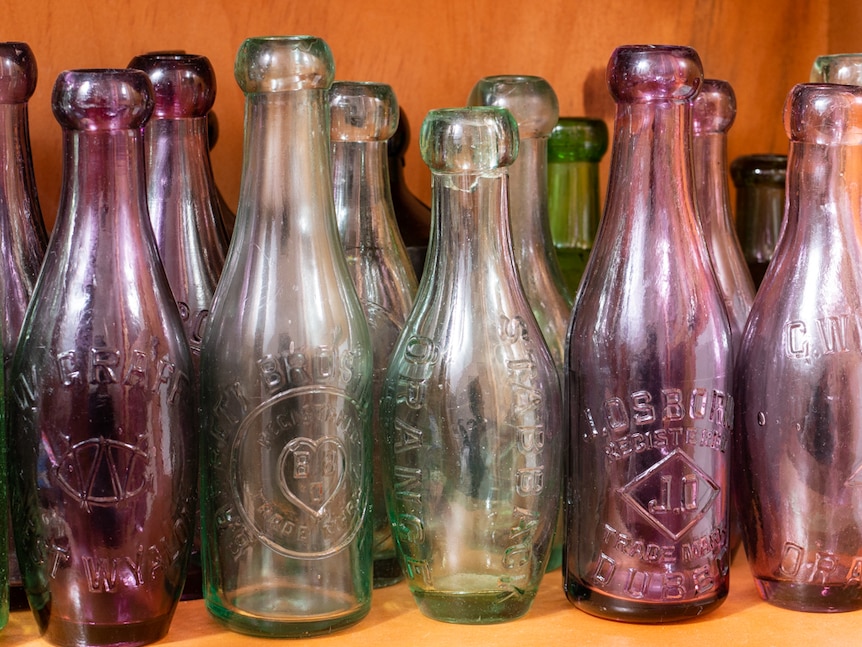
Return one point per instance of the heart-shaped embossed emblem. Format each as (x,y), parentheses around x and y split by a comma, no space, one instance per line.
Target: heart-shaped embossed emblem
(312,472)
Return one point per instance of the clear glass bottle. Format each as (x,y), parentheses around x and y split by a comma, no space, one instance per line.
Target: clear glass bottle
(649,370)
(714,110)
(364,116)
(470,400)
(101,410)
(23,237)
(286,368)
(798,430)
(183,203)
(575,148)
(759,181)
(533,104)
(413,215)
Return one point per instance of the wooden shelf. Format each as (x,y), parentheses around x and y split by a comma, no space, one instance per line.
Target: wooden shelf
(744,619)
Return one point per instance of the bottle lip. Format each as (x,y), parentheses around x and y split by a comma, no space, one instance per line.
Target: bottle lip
(531,100)
(845,68)
(824,114)
(475,139)
(714,108)
(761,168)
(184,85)
(271,64)
(18,72)
(362,111)
(578,139)
(654,73)
(102,99)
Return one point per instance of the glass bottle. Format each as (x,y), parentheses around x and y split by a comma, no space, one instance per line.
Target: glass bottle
(23,237)
(470,399)
(183,204)
(575,148)
(799,418)
(760,195)
(364,116)
(649,381)
(286,377)
(413,215)
(714,110)
(533,104)
(101,410)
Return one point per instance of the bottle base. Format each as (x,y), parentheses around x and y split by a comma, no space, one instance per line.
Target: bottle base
(67,633)
(626,610)
(387,571)
(479,608)
(282,623)
(814,598)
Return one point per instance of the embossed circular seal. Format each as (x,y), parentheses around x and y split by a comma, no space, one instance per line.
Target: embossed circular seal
(298,471)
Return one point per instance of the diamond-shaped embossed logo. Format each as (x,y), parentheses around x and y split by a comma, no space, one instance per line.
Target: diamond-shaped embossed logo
(672,495)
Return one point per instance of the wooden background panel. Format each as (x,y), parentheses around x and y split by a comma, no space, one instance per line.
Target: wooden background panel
(431,52)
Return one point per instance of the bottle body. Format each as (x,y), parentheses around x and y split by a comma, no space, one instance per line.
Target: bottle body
(575,148)
(798,424)
(101,408)
(649,372)
(285,381)
(363,119)
(469,401)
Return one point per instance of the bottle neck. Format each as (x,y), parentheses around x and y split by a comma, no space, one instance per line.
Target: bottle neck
(286,178)
(104,186)
(573,203)
(650,187)
(17,181)
(528,198)
(710,173)
(363,203)
(759,212)
(470,232)
(824,213)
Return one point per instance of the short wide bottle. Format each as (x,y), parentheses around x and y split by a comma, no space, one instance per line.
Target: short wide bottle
(799,415)
(101,413)
(470,406)
(649,381)
(286,369)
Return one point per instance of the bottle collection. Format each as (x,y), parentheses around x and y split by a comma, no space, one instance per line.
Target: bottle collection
(268,410)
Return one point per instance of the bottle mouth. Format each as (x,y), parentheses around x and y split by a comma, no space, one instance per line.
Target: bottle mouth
(530,99)
(18,72)
(824,113)
(284,64)
(362,112)
(648,73)
(102,99)
(714,108)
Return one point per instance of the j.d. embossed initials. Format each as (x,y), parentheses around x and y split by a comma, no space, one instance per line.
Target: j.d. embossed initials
(312,471)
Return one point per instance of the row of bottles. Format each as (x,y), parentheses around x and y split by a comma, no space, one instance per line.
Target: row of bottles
(354,426)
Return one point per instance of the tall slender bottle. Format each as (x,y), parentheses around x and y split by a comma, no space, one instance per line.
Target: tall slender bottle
(760,194)
(533,104)
(799,418)
(470,406)
(649,381)
(183,203)
(714,110)
(413,215)
(23,238)
(101,411)
(286,368)
(364,116)
(575,148)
